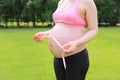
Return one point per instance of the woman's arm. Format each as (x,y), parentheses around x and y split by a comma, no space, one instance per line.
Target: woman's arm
(92,22)
(39,37)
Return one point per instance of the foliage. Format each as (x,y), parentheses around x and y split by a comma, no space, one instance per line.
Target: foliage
(41,10)
(108,11)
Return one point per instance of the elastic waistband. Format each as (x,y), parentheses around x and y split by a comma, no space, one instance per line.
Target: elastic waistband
(78,26)
(83,52)
(80,56)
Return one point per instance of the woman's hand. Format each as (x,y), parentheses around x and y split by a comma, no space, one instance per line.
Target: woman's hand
(71,47)
(39,37)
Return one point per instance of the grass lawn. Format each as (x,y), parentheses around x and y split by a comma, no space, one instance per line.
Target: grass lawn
(21,58)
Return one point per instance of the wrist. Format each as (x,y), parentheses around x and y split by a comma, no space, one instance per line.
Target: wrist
(47,33)
(79,42)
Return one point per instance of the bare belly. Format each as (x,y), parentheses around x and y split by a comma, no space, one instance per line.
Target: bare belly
(64,35)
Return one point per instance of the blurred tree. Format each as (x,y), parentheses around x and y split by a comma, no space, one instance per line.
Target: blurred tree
(6,10)
(108,11)
(42,10)
(11,9)
(18,8)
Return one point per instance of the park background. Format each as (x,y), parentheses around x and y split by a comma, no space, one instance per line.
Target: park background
(21,58)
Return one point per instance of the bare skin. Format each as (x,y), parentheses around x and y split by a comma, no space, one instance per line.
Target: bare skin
(87,10)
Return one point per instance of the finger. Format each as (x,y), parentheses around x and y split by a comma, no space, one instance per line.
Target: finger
(36,38)
(40,39)
(68,50)
(66,46)
(37,35)
(40,34)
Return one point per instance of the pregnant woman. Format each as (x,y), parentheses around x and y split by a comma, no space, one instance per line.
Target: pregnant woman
(68,37)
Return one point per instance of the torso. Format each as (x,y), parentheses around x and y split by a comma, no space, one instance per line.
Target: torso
(64,34)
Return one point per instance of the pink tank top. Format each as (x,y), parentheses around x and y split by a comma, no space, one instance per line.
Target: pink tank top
(69,16)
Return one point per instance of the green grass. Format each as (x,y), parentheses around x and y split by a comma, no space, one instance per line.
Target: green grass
(21,58)
(26,24)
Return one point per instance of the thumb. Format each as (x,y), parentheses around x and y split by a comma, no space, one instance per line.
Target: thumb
(66,48)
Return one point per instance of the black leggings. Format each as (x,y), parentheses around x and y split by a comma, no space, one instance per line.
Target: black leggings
(77,66)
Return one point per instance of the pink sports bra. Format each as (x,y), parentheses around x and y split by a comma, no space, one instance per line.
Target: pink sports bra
(69,16)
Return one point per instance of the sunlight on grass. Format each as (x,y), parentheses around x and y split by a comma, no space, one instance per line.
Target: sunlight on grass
(26,24)
(21,58)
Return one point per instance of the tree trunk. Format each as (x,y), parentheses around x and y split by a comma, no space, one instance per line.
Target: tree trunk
(18,25)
